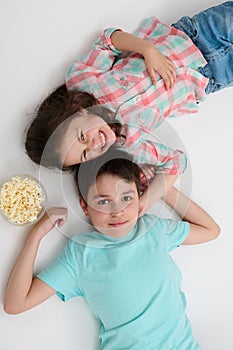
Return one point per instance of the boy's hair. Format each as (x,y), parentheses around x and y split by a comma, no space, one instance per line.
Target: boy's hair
(58,109)
(113,162)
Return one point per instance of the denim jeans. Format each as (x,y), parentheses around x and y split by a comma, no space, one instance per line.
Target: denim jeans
(211,31)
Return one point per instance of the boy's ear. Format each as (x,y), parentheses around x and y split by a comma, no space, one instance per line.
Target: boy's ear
(83,206)
(142,207)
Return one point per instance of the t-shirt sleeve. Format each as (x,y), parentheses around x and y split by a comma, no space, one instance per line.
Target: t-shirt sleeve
(175,232)
(62,274)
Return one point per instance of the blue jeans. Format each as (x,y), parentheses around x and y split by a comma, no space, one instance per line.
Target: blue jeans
(211,31)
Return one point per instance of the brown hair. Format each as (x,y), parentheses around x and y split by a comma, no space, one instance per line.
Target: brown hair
(113,162)
(58,109)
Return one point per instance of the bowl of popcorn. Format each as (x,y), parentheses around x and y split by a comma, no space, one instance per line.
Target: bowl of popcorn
(22,199)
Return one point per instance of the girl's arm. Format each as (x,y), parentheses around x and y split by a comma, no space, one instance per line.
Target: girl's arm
(23,291)
(87,69)
(203,228)
(155,61)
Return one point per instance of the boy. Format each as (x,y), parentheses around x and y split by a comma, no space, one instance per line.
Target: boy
(122,268)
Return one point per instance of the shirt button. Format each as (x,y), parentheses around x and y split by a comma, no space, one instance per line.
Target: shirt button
(138,98)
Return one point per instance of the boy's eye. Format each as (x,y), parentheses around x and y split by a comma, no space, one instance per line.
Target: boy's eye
(103,202)
(127,198)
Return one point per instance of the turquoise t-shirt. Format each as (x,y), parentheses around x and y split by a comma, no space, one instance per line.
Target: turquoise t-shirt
(131,284)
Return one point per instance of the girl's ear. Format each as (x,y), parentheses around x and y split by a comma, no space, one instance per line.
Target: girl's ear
(84,207)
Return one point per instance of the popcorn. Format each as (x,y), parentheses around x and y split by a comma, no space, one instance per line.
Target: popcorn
(21,199)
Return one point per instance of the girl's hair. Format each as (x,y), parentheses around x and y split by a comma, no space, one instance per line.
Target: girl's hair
(113,162)
(51,122)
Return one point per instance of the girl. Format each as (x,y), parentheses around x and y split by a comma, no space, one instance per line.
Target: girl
(141,79)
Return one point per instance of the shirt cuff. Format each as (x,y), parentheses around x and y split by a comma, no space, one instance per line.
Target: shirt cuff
(176,166)
(106,38)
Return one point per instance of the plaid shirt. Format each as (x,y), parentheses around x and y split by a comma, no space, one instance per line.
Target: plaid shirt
(120,81)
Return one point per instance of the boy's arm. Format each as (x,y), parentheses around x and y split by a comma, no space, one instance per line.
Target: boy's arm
(23,291)
(156,189)
(203,228)
(155,61)
(161,166)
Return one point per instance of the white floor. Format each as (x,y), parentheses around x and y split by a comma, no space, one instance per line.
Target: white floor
(38,41)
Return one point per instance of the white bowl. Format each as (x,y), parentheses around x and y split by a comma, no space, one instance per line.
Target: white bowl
(22,199)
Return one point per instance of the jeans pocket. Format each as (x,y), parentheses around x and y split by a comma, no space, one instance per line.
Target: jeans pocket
(188,26)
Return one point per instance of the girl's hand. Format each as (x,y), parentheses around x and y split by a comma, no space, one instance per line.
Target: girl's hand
(54,216)
(147,175)
(156,62)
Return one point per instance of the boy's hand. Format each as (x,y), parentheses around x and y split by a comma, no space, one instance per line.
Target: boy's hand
(156,62)
(54,216)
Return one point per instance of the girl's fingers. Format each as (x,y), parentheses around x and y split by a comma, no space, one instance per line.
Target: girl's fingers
(149,172)
(169,79)
(151,72)
(166,70)
(173,73)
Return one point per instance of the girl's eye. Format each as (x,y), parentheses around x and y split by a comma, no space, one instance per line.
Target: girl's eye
(103,202)
(82,136)
(127,198)
(84,156)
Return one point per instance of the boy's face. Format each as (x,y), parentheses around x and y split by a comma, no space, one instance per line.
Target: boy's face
(113,205)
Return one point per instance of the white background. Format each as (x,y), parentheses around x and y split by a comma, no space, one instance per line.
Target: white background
(39,39)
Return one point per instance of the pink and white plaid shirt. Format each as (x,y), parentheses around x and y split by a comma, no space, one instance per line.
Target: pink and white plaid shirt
(120,81)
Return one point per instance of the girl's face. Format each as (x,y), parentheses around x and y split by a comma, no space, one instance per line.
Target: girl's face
(112,205)
(87,137)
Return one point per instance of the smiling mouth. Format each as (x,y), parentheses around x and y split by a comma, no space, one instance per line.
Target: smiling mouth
(118,224)
(102,139)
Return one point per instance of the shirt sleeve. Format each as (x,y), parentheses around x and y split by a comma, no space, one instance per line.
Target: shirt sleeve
(175,232)
(165,159)
(170,232)
(86,69)
(62,274)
